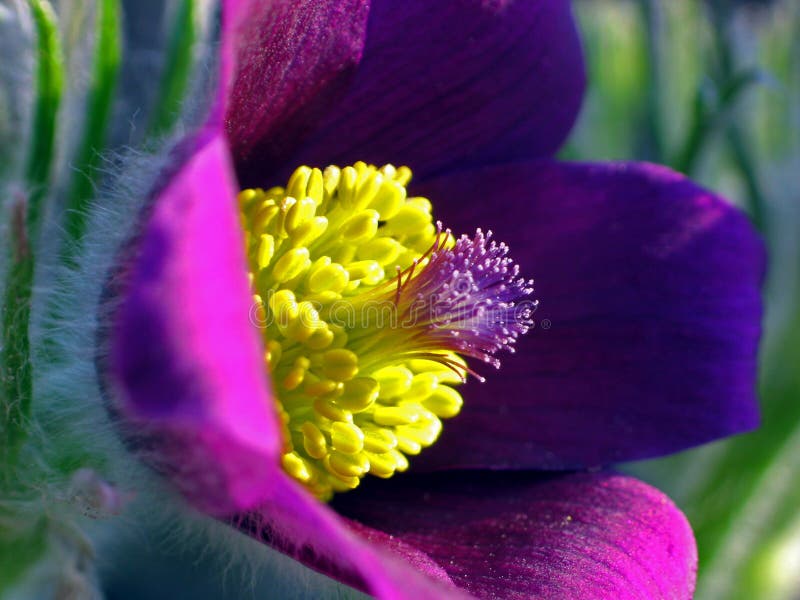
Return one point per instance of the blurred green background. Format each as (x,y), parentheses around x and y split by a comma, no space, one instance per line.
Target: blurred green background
(713,89)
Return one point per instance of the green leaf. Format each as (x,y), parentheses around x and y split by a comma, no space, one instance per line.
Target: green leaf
(708,117)
(107,60)
(175,80)
(745,162)
(49,90)
(19,551)
(16,382)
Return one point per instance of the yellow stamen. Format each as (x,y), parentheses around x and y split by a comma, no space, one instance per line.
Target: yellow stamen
(327,256)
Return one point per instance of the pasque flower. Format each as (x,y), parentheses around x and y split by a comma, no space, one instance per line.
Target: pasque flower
(644,343)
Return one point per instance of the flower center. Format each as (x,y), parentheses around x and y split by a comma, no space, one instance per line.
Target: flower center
(367,309)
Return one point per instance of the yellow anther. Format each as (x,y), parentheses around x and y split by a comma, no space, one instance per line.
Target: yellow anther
(409,220)
(314,441)
(273,353)
(369,271)
(321,338)
(296,374)
(369,183)
(325,298)
(347,438)
(384,251)
(419,241)
(421,203)
(327,409)
(379,440)
(423,385)
(389,199)
(450,377)
(320,387)
(407,445)
(444,402)
(395,415)
(247,197)
(301,212)
(315,188)
(403,176)
(347,465)
(260,313)
(296,466)
(381,465)
(358,394)
(298,182)
(306,323)
(308,231)
(324,252)
(340,364)
(263,217)
(347,186)
(422,433)
(394,381)
(291,264)
(284,307)
(266,249)
(331,277)
(388,171)
(361,227)
(330,179)
(341,484)
(340,337)
(400,460)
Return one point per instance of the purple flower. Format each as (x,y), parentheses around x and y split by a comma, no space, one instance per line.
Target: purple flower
(646,334)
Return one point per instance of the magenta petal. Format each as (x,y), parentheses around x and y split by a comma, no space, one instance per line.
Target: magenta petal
(511,535)
(453,83)
(308,530)
(288,60)
(185,361)
(649,320)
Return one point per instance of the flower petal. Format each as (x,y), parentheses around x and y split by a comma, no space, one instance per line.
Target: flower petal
(513,535)
(650,287)
(297,524)
(284,63)
(453,83)
(185,360)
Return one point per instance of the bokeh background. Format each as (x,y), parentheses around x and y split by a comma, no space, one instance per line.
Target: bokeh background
(712,89)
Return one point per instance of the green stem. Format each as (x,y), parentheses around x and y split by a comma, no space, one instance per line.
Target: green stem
(49,90)
(705,120)
(107,53)
(653,132)
(175,80)
(16,380)
(745,164)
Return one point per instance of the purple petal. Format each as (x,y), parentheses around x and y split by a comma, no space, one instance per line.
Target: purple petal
(185,360)
(453,83)
(302,527)
(650,287)
(511,535)
(288,61)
